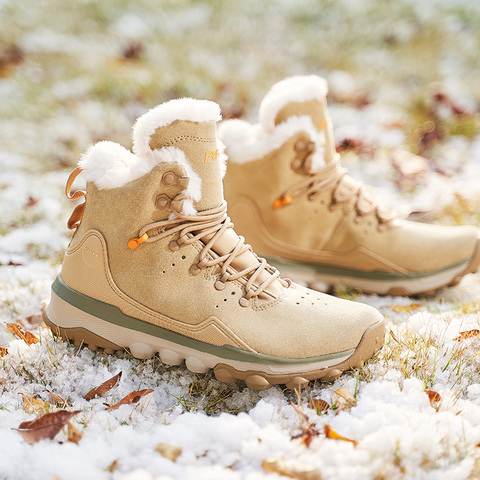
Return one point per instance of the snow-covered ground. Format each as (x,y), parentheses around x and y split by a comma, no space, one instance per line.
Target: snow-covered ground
(72,73)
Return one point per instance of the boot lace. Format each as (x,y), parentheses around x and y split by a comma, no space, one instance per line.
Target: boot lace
(208,226)
(345,189)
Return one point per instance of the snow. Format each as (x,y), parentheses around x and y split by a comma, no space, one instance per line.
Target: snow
(73,89)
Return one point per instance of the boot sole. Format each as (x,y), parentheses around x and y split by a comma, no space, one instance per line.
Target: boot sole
(324,277)
(229,364)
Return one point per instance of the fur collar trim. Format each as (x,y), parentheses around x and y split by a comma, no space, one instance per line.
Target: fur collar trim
(292,89)
(179,109)
(246,142)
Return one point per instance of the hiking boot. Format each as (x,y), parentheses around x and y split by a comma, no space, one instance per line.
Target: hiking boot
(155,266)
(290,197)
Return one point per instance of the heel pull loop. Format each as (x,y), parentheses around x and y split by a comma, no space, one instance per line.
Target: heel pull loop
(77,214)
(78,193)
(76,217)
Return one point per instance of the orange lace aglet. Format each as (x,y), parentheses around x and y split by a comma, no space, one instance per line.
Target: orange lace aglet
(133,243)
(282,202)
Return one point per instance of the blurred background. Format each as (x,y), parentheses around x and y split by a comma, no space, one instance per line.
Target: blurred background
(403,78)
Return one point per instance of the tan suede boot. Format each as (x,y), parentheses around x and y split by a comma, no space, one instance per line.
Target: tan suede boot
(155,266)
(289,196)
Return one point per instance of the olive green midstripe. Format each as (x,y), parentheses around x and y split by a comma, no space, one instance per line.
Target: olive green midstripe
(350,272)
(114,315)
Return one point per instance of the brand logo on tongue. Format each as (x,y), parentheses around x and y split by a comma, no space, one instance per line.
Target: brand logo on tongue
(212,155)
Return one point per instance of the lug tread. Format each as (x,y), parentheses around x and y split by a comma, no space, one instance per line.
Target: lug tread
(371,342)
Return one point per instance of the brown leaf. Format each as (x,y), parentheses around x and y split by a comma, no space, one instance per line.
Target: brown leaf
(406,308)
(11,263)
(35,320)
(434,397)
(133,51)
(292,470)
(330,433)
(3,351)
(9,58)
(348,399)
(46,426)
(33,405)
(307,433)
(57,400)
(467,334)
(132,397)
(319,405)
(74,435)
(31,201)
(168,451)
(27,337)
(104,387)
(112,467)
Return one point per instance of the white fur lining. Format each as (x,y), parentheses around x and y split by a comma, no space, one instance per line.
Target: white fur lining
(109,165)
(292,89)
(179,109)
(246,142)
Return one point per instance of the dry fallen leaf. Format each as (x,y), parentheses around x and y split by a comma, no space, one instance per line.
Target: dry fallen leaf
(104,387)
(35,320)
(112,467)
(467,334)
(57,400)
(46,426)
(132,397)
(74,435)
(307,433)
(168,451)
(330,433)
(9,58)
(434,397)
(319,405)
(405,308)
(348,399)
(32,404)
(292,470)
(27,337)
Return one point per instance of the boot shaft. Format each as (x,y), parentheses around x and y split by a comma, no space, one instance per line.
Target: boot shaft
(206,161)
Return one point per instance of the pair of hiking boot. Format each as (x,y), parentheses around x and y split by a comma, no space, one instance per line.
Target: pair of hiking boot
(156,267)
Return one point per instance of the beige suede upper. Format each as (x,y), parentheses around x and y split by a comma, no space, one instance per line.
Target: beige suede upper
(154,283)
(317,228)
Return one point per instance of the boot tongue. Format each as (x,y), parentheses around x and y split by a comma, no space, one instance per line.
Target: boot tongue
(198,141)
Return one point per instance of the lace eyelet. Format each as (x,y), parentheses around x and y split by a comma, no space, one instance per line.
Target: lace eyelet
(194,270)
(169,178)
(174,246)
(162,201)
(219,285)
(244,302)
